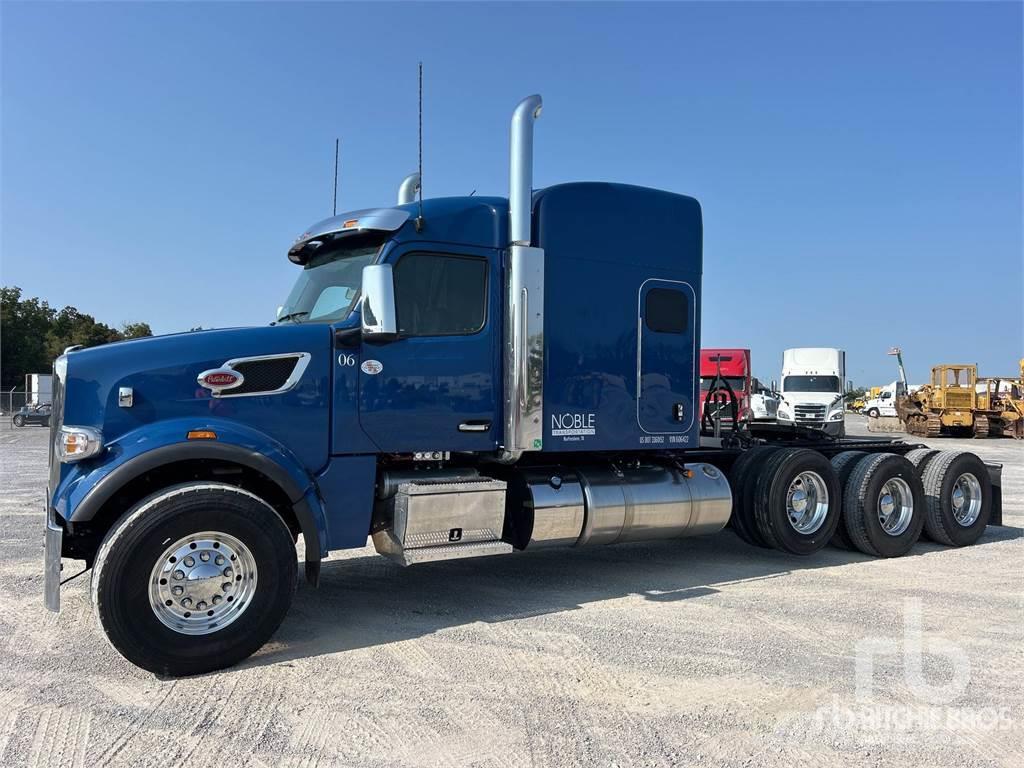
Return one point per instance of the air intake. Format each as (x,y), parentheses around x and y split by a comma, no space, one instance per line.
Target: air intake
(408,188)
(264,375)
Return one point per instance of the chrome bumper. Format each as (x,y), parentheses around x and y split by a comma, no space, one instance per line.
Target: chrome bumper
(51,566)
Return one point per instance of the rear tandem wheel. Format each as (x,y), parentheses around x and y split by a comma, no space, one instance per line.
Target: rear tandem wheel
(796,500)
(883,505)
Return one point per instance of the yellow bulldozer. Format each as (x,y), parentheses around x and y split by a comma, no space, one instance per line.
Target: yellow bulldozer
(1003,398)
(957,402)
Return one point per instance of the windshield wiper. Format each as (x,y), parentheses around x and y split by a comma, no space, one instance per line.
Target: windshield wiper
(291,316)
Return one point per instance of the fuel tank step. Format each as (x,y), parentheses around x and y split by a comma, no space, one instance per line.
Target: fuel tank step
(450,552)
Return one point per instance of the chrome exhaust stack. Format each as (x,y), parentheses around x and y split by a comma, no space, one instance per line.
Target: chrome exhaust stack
(524,297)
(520,172)
(408,188)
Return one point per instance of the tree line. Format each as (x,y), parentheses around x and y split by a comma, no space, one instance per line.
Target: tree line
(32,334)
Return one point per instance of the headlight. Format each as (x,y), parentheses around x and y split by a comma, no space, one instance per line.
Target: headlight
(836,416)
(77,443)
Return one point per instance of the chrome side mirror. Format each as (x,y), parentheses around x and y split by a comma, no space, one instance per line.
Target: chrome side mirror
(379,320)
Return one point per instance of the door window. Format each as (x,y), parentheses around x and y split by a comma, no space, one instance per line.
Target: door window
(440,295)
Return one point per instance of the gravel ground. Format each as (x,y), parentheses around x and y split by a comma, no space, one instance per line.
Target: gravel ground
(674,653)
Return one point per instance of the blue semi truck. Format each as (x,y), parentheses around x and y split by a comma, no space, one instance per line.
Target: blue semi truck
(458,377)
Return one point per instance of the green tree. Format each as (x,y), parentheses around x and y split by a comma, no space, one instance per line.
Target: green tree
(24,324)
(32,334)
(71,327)
(136,330)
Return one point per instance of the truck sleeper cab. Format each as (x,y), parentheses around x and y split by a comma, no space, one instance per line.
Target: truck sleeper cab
(479,377)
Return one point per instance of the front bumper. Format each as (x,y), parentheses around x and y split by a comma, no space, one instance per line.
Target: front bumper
(51,561)
(835,428)
(830,428)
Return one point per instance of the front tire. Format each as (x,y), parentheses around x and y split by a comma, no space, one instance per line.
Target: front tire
(19,421)
(194,578)
(873,413)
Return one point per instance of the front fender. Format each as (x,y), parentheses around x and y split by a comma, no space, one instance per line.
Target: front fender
(90,484)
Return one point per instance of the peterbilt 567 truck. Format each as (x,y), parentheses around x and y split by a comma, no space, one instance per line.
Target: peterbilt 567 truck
(462,377)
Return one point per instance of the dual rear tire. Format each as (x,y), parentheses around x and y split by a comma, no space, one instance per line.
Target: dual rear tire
(785,498)
(891,501)
(881,504)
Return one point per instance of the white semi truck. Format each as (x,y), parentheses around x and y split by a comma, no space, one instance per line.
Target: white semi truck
(812,389)
(885,403)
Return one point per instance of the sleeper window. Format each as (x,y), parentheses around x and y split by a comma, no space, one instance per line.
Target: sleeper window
(665,310)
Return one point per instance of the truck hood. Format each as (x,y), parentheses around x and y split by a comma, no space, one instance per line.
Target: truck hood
(162,373)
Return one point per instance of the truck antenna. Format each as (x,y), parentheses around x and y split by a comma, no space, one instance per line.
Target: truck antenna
(336,143)
(419,187)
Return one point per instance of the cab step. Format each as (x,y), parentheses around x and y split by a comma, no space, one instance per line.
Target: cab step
(450,552)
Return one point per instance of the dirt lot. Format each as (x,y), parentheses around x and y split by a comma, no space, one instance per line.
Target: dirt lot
(675,653)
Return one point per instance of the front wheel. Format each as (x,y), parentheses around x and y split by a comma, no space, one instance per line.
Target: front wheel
(19,421)
(873,413)
(194,578)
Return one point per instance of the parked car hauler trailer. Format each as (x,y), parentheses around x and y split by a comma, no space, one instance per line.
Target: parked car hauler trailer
(486,377)
(812,389)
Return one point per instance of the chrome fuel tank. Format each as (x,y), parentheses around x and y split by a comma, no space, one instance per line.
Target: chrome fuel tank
(607,505)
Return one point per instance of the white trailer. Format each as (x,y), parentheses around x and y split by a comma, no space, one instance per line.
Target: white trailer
(38,388)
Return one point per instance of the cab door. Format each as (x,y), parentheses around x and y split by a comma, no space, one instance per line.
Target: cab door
(666,357)
(436,386)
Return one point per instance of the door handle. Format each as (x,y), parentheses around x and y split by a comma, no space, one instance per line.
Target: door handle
(474,426)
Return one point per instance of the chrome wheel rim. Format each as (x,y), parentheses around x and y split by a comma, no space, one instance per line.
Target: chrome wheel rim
(807,502)
(202,582)
(895,506)
(966,499)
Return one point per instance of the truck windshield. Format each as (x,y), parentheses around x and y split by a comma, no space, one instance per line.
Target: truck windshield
(738,383)
(811,384)
(328,287)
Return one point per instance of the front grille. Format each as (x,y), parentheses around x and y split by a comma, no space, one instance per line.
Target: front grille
(958,399)
(56,419)
(810,414)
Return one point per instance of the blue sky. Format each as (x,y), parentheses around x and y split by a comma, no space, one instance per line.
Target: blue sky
(859,165)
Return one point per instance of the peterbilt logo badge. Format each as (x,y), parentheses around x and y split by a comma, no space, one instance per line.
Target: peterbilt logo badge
(219,379)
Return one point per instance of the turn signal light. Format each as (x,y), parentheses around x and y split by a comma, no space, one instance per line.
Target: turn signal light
(77,443)
(201,434)
(350,223)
